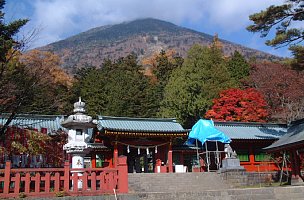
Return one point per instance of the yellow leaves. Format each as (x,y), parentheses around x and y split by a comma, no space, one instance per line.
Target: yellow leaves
(36,142)
(18,147)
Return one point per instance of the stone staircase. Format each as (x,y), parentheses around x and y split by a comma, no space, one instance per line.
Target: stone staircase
(175,182)
(205,186)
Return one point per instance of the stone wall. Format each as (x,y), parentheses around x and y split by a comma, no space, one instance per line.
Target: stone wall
(239,178)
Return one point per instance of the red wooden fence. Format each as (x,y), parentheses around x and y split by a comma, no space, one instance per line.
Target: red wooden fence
(46,182)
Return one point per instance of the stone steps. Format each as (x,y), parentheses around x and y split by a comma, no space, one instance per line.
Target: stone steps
(269,193)
(176,182)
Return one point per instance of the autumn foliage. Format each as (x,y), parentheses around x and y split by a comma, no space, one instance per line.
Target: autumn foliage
(28,142)
(239,105)
(282,88)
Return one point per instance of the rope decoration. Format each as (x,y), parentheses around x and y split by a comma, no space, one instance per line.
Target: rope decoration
(142,147)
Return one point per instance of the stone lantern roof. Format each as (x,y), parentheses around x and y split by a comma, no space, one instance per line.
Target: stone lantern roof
(79,118)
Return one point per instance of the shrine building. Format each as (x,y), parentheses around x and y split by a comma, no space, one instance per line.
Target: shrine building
(154,144)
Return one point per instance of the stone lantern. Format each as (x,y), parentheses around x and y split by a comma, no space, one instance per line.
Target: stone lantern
(78,125)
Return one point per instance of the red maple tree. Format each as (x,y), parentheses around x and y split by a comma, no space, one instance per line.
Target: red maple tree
(239,105)
(282,88)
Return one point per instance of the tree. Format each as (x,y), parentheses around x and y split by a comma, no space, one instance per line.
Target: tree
(238,67)
(50,83)
(33,83)
(119,88)
(239,105)
(283,89)
(9,46)
(191,88)
(33,143)
(283,18)
(298,53)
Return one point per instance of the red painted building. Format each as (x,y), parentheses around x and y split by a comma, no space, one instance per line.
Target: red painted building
(292,145)
(157,145)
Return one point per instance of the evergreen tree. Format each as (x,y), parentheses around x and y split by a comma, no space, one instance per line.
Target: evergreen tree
(165,65)
(119,88)
(238,67)
(298,53)
(7,41)
(191,88)
(285,20)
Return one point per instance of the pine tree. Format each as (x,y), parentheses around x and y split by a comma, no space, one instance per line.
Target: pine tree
(283,18)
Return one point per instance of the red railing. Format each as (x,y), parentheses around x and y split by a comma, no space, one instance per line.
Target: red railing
(46,182)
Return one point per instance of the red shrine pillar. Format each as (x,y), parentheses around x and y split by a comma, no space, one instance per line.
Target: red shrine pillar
(115,155)
(295,165)
(170,158)
(93,160)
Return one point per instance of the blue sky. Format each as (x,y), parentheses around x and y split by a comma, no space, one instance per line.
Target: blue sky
(58,19)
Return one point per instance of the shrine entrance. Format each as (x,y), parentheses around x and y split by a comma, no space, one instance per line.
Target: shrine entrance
(140,161)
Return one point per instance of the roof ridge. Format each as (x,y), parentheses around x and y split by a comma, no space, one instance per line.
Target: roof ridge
(137,119)
(249,124)
(5,115)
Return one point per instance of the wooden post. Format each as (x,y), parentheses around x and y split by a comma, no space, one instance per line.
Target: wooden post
(66,176)
(93,181)
(47,182)
(37,182)
(115,155)
(295,177)
(122,175)
(57,182)
(251,157)
(17,183)
(93,160)
(27,182)
(7,177)
(170,158)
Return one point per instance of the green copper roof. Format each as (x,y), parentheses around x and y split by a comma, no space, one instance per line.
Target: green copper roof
(294,136)
(257,131)
(139,124)
(51,122)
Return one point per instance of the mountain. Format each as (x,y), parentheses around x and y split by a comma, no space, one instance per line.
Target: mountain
(142,37)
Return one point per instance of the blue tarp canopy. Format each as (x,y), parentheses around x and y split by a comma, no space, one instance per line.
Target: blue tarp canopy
(204,130)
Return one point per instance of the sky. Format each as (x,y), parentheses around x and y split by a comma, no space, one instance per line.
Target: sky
(58,19)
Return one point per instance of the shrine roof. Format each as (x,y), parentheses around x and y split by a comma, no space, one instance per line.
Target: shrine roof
(252,131)
(51,122)
(294,136)
(160,125)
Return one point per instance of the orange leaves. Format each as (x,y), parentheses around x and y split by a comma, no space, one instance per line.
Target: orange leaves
(239,105)
(46,66)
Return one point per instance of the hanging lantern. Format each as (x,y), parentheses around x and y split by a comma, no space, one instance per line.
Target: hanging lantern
(128,149)
(147,151)
(138,150)
(155,149)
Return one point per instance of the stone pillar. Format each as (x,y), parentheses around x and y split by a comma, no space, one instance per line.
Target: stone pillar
(170,158)
(78,163)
